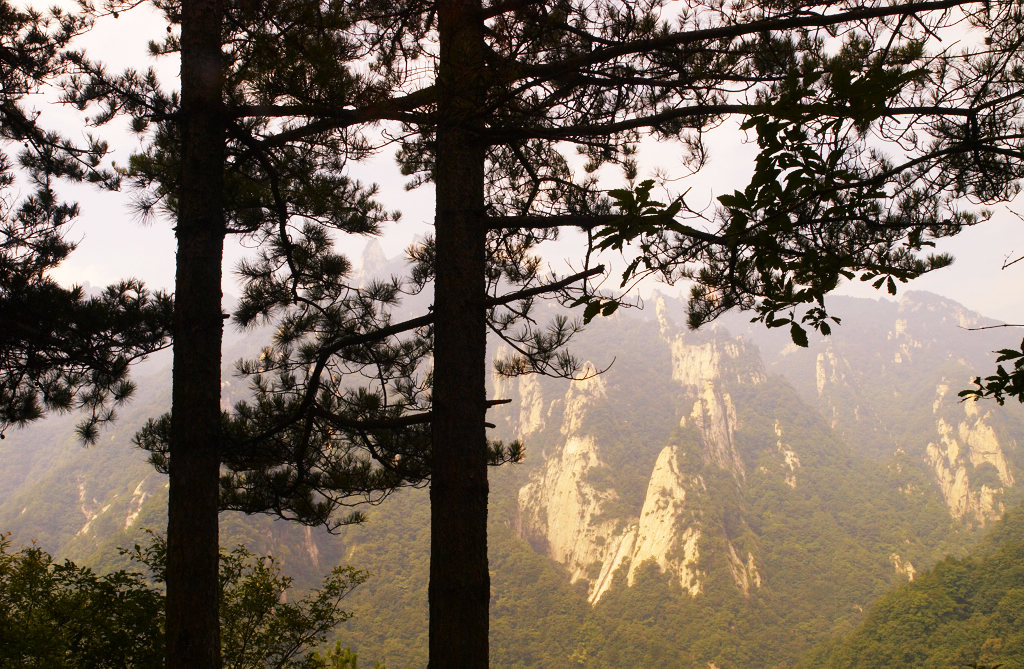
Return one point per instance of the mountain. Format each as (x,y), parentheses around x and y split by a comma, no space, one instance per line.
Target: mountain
(713,499)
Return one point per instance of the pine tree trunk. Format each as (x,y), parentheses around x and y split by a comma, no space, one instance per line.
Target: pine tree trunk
(193,638)
(459,590)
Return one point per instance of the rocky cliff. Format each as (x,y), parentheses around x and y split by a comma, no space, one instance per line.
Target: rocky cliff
(889,384)
(569,511)
(866,387)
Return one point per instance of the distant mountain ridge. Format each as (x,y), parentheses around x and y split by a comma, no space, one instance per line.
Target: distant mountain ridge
(893,389)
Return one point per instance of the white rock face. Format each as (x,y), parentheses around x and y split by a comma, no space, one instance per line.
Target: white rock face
(902,566)
(620,553)
(658,534)
(745,574)
(561,507)
(531,411)
(139,496)
(715,416)
(563,513)
(702,369)
(832,372)
(971,442)
(309,543)
(90,508)
(531,417)
(693,364)
(829,369)
(790,461)
(906,345)
(696,364)
(563,510)
(373,262)
(983,444)
(580,397)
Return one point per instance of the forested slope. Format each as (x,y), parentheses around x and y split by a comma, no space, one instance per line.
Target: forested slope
(963,611)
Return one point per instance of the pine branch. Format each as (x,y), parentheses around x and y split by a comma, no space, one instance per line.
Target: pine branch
(588,222)
(334,347)
(379,424)
(812,20)
(334,118)
(546,288)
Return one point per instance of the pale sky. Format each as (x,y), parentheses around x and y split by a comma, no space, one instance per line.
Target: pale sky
(115,244)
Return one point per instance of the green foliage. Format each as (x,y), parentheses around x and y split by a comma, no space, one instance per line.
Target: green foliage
(340,658)
(821,548)
(806,221)
(1003,384)
(62,615)
(259,627)
(826,201)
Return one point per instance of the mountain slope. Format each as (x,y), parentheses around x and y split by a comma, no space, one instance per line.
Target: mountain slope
(753,527)
(887,381)
(962,611)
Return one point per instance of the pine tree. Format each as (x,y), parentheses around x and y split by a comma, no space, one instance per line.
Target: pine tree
(218,165)
(192,529)
(485,101)
(60,350)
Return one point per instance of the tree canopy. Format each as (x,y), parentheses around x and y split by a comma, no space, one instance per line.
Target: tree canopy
(872,133)
(59,614)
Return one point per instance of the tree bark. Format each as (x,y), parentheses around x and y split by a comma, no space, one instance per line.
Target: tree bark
(459,591)
(193,637)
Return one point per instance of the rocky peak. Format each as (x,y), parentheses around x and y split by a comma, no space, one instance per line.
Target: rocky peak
(529,411)
(714,414)
(374,260)
(581,397)
(744,572)
(698,357)
(902,566)
(830,369)
(916,304)
(569,511)
(790,461)
(667,527)
(561,511)
(968,459)
(706,366)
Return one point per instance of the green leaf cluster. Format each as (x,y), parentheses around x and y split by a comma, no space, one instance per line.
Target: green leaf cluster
(63,616)
(1003,384)
(56,614)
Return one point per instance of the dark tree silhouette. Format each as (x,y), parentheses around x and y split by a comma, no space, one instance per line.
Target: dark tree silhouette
(60,349)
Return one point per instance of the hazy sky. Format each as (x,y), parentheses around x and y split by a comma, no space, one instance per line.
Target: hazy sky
(115,244)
